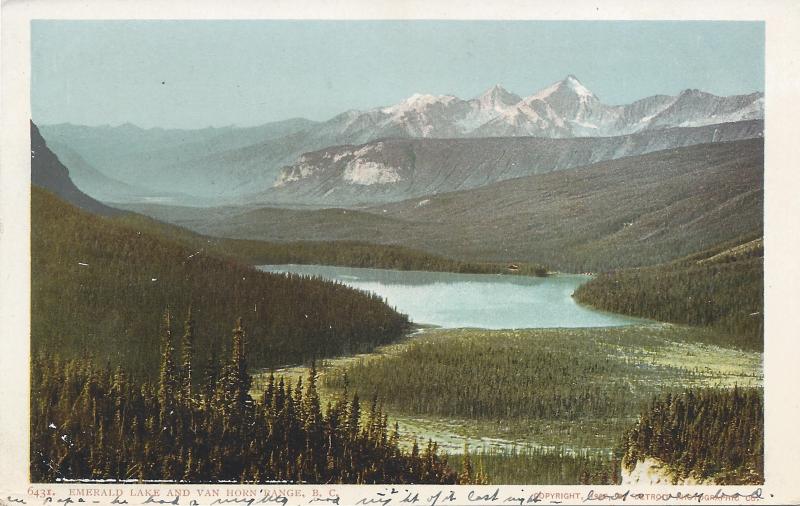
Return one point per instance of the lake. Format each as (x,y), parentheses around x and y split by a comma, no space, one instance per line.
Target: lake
(490,301)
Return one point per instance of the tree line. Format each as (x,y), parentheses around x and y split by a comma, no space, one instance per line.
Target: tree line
(367,255)
(201,424)
(530,464)
(340,253)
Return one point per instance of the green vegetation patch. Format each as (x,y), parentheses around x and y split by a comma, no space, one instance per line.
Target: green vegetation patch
(90,423)
(721,288)
(572,388)
(340,253)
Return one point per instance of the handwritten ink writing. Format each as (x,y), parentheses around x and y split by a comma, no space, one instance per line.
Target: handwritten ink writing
(434,499)
(332,500)
(475,497)
(375,500)
(410,498)
(249,501)
(756,494)
(152,500)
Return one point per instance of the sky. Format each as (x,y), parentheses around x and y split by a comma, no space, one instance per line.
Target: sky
(196,74)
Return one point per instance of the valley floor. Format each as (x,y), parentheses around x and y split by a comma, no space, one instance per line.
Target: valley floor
(444,384)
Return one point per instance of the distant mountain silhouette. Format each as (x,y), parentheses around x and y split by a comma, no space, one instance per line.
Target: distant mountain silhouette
(49,173)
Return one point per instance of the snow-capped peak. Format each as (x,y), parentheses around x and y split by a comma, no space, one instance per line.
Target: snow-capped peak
(418,102)
(497,98)
(570,83)
(577,86)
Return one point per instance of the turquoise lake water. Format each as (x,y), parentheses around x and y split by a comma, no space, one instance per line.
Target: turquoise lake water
(490,301)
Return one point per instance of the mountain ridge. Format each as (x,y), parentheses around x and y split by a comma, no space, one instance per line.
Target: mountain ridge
(218,165)
(48,173)
(629,212)
(396,169)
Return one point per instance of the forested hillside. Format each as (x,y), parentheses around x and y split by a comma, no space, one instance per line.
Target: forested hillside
(98,286)
(720,288)
(630,212)
(703,434)
(342,253)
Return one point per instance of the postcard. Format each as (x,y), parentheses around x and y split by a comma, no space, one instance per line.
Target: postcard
(385,254)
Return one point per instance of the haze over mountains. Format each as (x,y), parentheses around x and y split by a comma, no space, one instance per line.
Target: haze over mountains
(284,162)
(637,210)
(657,179)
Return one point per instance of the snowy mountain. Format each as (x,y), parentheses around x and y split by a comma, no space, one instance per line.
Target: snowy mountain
(696,108)
(217,165)
(566,108)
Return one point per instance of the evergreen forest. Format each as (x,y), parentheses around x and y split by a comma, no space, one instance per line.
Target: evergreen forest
(115,395)
(200,424)
(721,288)
(703,434)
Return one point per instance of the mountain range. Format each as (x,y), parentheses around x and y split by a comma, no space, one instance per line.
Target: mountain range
(564,109)
(629,212)
(397,169)
(232,164)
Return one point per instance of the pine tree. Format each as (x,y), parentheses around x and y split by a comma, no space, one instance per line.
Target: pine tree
(166,383)
(353,418)
(238,379)
(187,351)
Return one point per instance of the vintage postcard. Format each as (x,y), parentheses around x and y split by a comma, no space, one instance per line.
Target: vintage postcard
(390,254)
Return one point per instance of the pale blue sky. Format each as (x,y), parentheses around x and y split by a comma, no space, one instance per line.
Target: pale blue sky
(194,74)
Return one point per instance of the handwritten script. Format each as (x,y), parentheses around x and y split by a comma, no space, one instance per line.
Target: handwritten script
(371,496)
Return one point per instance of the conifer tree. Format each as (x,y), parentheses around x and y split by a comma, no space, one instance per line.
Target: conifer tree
(238,379)
(187,352)
(353,418)
(166,383)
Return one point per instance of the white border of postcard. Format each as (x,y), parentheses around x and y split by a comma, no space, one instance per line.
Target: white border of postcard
(782,244)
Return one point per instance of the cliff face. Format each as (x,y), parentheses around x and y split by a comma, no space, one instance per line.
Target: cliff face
(652,471)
